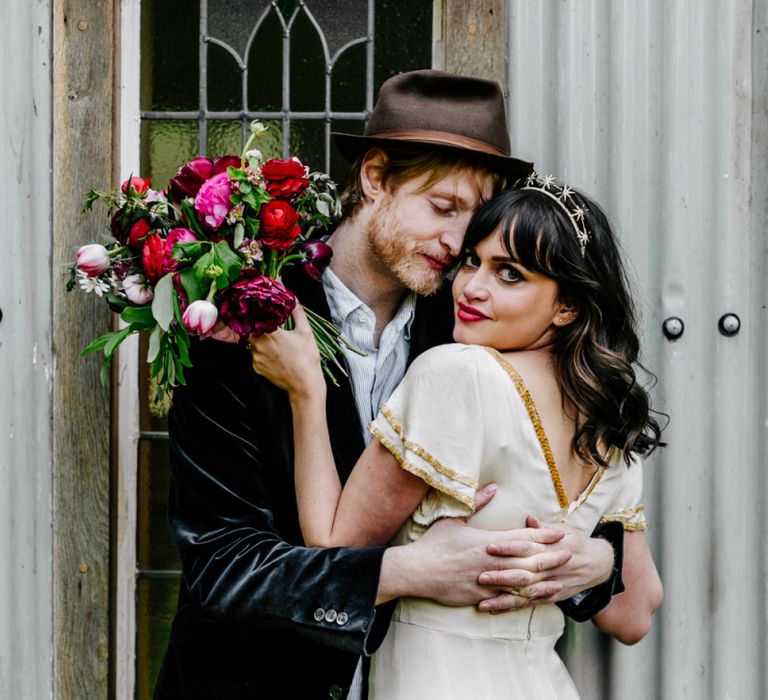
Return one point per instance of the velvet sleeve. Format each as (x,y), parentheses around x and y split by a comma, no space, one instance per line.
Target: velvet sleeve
(233,514)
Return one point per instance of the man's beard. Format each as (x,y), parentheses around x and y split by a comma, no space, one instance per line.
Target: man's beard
(402,258)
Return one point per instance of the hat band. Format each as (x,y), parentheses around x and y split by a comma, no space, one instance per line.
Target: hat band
(442,137)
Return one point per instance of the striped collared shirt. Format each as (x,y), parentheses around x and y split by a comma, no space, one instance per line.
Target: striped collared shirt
(375,376)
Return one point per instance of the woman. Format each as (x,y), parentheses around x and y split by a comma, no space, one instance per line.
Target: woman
(538,395)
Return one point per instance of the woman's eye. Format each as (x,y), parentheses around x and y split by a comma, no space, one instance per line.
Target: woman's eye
(509,274)
(470,259)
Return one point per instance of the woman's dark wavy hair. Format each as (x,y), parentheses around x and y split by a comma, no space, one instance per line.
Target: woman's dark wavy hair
(596,354)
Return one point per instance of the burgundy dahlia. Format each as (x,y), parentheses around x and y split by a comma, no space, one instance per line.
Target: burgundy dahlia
(255,304)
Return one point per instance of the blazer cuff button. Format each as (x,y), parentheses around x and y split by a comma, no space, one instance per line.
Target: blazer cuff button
(330,615)
(342,618)
(319,615)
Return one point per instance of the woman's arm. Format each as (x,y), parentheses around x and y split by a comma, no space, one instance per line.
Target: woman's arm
(379,495)
(628,616)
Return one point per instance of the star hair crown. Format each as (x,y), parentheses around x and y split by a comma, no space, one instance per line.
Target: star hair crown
(563,195)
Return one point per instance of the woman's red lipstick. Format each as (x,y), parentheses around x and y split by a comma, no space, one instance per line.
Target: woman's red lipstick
(469,313)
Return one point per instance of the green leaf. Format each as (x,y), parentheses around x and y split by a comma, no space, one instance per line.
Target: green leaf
(194,286)
(139,316)
(190,249)
(230,261)
(97,344)
(239,235)
(154,343)
(252,226)
(116,301)
(191,219)
(117,338)
(162,304)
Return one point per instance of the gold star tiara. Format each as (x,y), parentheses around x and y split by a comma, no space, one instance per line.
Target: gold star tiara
(563,195)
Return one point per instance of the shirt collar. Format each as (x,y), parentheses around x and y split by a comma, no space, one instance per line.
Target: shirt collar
(342,302)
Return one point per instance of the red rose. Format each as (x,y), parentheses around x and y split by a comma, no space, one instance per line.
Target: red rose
(278,224)
(139,185)
(284,178)
(152,257)
(138,233)
(255,304)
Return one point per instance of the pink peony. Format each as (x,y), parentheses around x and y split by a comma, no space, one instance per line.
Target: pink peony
(200,317)
(92,259)
(191,176)
(175,235)
(213,200)
(255,304)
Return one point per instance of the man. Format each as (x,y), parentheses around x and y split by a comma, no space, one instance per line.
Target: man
(253,600)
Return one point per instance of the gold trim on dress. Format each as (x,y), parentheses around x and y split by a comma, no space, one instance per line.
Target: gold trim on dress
(419,450)
(629,518)
(533,414)
(425,476)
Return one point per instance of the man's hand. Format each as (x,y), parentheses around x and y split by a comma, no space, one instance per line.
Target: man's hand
(446,563)
(590,562)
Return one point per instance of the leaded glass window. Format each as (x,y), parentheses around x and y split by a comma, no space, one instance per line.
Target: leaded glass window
(208,67)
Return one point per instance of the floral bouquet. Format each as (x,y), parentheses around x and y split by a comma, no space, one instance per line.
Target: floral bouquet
(204,256)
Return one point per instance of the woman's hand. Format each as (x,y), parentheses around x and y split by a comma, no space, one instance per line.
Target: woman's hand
(290,359)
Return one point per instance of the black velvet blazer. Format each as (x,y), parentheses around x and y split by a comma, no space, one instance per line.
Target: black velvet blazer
(253,600)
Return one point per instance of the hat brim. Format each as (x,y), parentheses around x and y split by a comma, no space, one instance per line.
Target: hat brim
(351,146)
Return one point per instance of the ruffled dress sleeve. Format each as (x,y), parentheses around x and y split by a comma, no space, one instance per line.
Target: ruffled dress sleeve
(626,507)
(434,425)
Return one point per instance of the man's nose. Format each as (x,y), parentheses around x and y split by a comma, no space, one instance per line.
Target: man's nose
(452,238)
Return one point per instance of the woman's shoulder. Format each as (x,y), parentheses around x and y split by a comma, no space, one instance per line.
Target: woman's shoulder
(455,357)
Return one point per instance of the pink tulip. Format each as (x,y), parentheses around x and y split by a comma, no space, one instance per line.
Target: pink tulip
(200,316)
(92,259)
(137,290)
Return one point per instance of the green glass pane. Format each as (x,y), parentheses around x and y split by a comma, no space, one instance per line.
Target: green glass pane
(169,54)
(224,81)
(265,67)
(165,145)
(308,143)
(225,137)
(339,164)
(307,66)
(402,37)
(154,541)
(348,80)
(155,605)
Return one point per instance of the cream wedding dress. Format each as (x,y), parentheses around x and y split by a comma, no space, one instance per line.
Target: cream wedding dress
(462,417)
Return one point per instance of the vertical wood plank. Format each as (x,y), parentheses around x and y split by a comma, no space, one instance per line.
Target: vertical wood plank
(474,34)
(84,39)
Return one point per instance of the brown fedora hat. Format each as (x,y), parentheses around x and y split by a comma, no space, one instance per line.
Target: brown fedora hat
(443,110)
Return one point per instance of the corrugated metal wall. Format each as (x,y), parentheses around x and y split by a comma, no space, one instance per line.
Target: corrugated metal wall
(658,109)
(25,351)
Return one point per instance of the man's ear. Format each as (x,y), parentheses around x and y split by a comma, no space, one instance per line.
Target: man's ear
(567,312)
(371,173)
